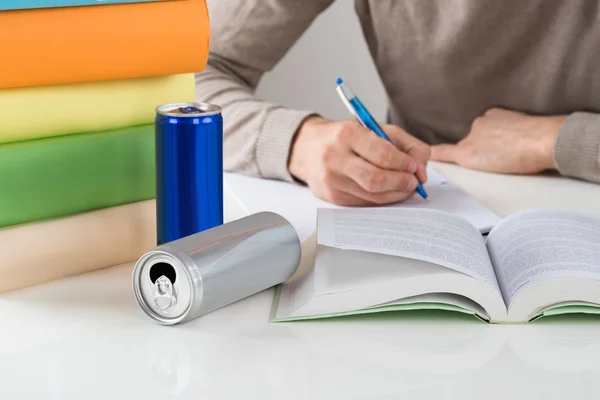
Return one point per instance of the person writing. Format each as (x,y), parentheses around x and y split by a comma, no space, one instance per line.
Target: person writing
(507,87)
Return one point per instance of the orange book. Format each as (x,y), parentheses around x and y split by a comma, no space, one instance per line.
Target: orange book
(105,42)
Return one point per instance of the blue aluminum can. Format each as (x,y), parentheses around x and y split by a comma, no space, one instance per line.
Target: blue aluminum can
(189,169)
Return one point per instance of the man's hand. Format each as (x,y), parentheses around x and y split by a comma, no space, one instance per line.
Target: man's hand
(347,164)
(505,141)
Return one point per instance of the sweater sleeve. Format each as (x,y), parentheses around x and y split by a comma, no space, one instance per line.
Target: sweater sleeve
(248,38)
(577,149)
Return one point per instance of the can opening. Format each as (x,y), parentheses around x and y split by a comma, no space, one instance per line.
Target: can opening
(187,110)
(162,269)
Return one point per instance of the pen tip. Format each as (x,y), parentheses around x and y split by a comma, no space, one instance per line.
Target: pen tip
(338,81)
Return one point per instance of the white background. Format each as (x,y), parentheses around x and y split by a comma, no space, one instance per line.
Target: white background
(332,47)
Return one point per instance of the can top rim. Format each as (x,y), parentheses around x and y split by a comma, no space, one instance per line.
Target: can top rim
(206,109)
(145,262)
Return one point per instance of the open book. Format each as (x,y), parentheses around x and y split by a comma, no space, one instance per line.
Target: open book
(533,263)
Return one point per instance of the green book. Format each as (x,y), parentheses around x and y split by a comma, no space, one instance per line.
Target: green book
(65,175)
(534,263)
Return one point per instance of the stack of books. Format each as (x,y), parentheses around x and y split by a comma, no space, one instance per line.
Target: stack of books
(78,90)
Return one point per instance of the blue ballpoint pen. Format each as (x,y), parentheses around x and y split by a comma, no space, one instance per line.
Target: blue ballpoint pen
(361,113)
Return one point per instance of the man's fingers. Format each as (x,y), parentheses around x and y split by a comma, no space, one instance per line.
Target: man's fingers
(415,148)
(344,191)
(444,153)
(409,144)
(344,199)
(332,191)
(378,180)
(369,198)
(422,173)
(382,153)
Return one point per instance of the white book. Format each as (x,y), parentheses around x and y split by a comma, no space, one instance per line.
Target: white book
(533,263)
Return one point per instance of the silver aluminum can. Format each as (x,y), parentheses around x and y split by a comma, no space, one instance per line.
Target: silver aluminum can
(192,276)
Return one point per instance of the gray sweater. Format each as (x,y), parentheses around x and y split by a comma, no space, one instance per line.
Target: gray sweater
(443,63)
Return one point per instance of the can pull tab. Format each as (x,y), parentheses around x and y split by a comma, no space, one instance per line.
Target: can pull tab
(164,293)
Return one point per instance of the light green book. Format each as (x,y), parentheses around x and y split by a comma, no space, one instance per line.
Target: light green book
(532,264)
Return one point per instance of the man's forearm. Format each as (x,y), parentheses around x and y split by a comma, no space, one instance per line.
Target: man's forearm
(257,134)
(248,38)
(577,149)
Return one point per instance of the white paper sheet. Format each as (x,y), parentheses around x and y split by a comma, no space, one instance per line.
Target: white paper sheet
(299,206)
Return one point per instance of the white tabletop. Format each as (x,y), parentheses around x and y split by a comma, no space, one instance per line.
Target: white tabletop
(85,338)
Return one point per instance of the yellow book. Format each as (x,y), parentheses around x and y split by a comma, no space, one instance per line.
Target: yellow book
(46,111)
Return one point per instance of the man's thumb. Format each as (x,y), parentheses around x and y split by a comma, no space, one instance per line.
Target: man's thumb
(444,153)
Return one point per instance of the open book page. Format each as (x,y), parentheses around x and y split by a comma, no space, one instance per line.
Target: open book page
(445,196)
(426,235)
(532,246)
(439,298)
